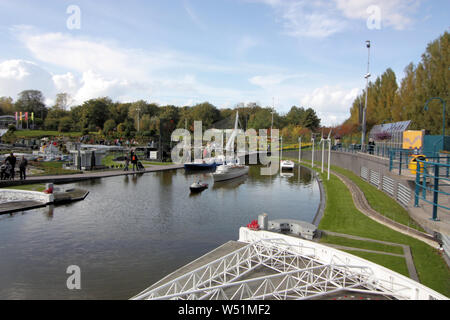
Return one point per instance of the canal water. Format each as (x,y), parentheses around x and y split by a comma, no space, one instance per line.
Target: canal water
(132,231)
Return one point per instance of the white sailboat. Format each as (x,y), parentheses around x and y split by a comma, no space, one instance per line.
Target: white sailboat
(231,168)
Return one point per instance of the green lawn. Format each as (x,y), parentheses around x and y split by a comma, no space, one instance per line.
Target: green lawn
(398,264)
(342,216)
(379,201)
(29,187)
(39,134)
(51,168)
(361,244)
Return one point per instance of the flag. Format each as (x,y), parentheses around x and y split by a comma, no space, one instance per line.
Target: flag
(26,116)
(21,116)
(16,115)
(32,116)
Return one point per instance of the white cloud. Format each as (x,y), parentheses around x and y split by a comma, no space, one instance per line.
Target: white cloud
(19,75)
(321,19)
(269,81)
(394,13)
(332,104)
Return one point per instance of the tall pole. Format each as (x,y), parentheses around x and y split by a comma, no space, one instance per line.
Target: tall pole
(299,150)
(367,76)
(281,156)
(312,155)
(329,157)
(273,111)
(322,142)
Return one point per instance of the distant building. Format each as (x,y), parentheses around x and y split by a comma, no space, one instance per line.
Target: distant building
(5,121)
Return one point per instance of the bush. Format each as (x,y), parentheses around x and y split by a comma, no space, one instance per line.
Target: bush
(65,124)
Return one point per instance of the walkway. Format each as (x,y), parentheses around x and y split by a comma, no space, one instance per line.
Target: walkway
(57,179)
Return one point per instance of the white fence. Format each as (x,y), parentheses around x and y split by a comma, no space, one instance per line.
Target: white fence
(398,191)
(9,195)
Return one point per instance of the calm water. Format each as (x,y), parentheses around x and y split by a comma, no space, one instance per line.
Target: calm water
(132,231)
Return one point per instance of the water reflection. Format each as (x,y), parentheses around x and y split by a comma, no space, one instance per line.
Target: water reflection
(133,230)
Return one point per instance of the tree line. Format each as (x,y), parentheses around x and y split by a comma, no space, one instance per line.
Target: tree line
(390,102)
(144,120)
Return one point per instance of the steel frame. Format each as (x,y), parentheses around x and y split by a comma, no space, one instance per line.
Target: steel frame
(288,275)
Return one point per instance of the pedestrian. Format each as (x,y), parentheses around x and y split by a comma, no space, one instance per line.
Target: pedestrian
(3,171)
(371,146)
(23,168)
(127,163)
(8,171)
(134,161)
(12,161)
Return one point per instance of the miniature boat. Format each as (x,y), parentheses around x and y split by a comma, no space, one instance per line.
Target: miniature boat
(198,187)
(287,164)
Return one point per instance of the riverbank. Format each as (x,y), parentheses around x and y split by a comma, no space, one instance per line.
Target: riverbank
(342,216)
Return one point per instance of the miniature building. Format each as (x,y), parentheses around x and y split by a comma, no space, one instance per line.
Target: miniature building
(300,228)
(88,159)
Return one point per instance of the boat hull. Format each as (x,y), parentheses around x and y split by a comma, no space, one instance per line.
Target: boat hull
(287,165)
(199,166)
(230,174)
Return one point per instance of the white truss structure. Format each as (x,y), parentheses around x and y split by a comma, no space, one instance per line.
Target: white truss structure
(273,269)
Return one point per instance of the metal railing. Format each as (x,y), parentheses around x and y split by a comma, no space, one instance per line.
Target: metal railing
(381,150)
(433,183)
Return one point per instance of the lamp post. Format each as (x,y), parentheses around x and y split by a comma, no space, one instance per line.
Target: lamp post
(443,112)
(299,150)
(367,76)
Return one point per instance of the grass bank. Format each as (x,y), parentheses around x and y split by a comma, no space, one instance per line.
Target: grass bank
(342,216)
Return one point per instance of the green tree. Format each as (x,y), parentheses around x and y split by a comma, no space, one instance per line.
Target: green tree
(109,126)
(65,124)
(310,120)
(95,112)
(6,106)
(32,101)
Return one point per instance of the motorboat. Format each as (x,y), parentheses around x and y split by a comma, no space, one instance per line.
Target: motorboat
(229,171)
(287,164)
(198,186)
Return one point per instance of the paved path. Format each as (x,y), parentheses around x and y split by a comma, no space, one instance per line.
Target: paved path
(86,176)
(406,250)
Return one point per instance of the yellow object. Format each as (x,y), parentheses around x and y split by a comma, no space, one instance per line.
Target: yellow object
(413,139)
(413,163)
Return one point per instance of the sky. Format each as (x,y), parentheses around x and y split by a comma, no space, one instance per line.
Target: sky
(273,52)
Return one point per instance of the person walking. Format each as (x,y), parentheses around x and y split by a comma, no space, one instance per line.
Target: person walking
(134,161)
(127,163)
(23,168)
(12,161)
